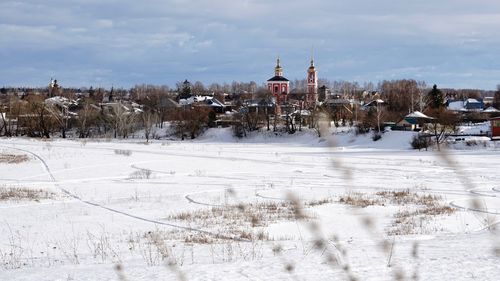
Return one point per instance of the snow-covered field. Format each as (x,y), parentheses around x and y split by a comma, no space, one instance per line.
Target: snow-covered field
(221,209)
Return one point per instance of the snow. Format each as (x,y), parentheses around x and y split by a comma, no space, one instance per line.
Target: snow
(102,205)
(479,128)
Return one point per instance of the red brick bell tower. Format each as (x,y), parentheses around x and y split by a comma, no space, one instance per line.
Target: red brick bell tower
(312,85)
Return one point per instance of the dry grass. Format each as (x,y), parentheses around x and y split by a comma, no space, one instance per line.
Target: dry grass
(416,214)
(319,202)
(13,158)
(418,221)
(241,221)
(20,193)
(360,200)
(251,214)
(405,197)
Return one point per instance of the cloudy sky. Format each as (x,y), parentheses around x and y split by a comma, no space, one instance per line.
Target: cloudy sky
(453,43)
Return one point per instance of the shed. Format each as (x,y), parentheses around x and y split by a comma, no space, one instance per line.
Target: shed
(495,128)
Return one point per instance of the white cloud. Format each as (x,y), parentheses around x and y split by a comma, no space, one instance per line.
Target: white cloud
(104,23)
(239,39)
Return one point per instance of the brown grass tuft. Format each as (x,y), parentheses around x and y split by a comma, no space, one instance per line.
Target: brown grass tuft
(21,193)
(13,158)
(360,200)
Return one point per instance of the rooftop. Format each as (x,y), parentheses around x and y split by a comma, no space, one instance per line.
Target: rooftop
(278,79)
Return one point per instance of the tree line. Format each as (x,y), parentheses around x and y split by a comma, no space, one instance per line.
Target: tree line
(143,108)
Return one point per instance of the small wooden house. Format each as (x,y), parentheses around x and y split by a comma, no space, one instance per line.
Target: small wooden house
(495,128)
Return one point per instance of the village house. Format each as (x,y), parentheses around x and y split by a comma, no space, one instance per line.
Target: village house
(413,122)
(495,128)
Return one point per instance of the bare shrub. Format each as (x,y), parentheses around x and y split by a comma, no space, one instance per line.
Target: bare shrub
(153,249)
(420,142)
(319,202)
(101,246)
(376,136)
(13,158)
(12,256)
(123,152)
(141,174)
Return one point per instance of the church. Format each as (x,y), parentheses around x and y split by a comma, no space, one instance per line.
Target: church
(279,86)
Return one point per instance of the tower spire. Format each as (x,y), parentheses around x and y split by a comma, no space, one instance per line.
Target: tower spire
(278,70)
(312,82)
(312,56)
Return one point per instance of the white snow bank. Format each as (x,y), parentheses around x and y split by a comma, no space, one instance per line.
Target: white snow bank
(398,140)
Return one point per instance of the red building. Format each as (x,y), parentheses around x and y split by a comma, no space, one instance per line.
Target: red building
(279,86)
(495,128)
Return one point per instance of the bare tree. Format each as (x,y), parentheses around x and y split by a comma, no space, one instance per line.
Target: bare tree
(401,95)
(496,99)
(121,120)
(215,88)
(37,120)
(87,117)
(422,97)
(191,121)
(266,98)
(60,113)
(198,88)
(10,111)
(148,119)
(444,123)
(318,116)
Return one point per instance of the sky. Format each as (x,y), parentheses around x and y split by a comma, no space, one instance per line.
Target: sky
(451,43)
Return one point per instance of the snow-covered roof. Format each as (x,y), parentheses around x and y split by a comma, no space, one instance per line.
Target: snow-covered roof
(340,101)
(374,102)
(57,100)
(472,101)
(302,112)
(202,98)
(215,103)
(456,105)
(491,109)
(187,101)
(417,114)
